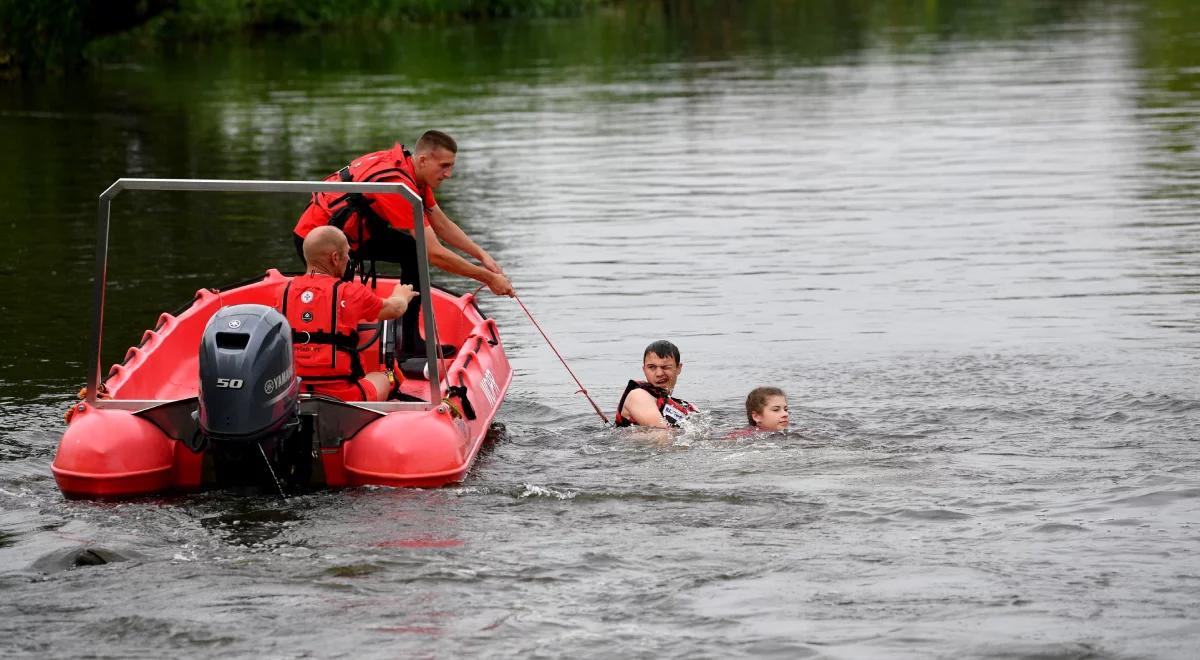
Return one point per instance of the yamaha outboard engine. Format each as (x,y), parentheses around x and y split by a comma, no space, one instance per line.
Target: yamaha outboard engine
(249,396)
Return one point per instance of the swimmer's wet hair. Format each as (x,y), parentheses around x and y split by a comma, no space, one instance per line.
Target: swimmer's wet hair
(662,348)
(757,400)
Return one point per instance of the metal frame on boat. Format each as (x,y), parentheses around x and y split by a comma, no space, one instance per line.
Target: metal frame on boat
(234,185)
(118,446)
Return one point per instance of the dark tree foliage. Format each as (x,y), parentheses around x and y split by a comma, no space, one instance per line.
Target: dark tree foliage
(44,36)
(37,36)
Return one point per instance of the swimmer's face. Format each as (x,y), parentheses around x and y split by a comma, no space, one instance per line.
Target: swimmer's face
(773,416)
(661,371)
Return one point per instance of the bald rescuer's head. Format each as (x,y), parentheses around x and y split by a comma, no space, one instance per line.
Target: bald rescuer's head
(327,251)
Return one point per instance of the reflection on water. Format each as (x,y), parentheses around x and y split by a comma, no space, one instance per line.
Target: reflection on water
(959,235)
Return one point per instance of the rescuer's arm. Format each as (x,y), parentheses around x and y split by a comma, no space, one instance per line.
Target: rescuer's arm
(450,262)
(449,231)
(395,304)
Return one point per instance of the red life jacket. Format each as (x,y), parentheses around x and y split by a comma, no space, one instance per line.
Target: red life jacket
(352,212)
(673,410)
(324,343)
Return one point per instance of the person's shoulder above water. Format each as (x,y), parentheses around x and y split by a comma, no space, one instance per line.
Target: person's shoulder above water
(650,402)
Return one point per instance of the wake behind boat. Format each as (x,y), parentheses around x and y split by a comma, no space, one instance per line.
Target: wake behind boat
(209,397)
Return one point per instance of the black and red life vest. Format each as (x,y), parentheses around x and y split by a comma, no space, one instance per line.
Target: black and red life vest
(673,410)
(324,342)
(352,212)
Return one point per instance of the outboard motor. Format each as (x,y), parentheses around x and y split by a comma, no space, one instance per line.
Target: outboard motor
(249,395)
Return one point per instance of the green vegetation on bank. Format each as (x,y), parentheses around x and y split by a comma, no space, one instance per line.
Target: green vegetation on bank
(41,36)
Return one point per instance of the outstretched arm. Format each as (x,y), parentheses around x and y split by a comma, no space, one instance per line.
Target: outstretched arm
(450,262)
(395,304)
(455,237)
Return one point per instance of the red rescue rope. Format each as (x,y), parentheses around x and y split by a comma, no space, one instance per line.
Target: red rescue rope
(582,390)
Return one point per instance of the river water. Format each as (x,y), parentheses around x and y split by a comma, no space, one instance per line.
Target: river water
(962,236)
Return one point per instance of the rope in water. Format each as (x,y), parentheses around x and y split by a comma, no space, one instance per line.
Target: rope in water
(582,390)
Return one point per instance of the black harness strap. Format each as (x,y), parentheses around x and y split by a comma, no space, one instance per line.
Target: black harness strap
(333,321)
(283,307)
(356,203)
(347,343)
(356,368)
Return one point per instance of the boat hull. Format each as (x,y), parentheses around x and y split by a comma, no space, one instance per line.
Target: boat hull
(142,439)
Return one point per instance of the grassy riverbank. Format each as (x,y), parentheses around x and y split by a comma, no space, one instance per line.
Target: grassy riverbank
(42,37)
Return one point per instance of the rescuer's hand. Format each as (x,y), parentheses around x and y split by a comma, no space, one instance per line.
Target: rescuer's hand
(499,285)
(404,293)
(489,263)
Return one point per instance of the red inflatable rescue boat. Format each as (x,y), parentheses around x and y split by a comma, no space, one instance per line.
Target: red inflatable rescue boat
(200,403)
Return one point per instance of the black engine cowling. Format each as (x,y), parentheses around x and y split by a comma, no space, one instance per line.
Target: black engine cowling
(250,400)
(248,385)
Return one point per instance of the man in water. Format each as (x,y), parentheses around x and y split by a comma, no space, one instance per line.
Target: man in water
(324,312)
(649,402)
(379,227)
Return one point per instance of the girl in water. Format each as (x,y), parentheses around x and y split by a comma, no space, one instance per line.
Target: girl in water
(767,409)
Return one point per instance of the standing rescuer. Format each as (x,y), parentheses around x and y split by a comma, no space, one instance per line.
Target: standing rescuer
(379,227)
(324,312)
(649,402)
